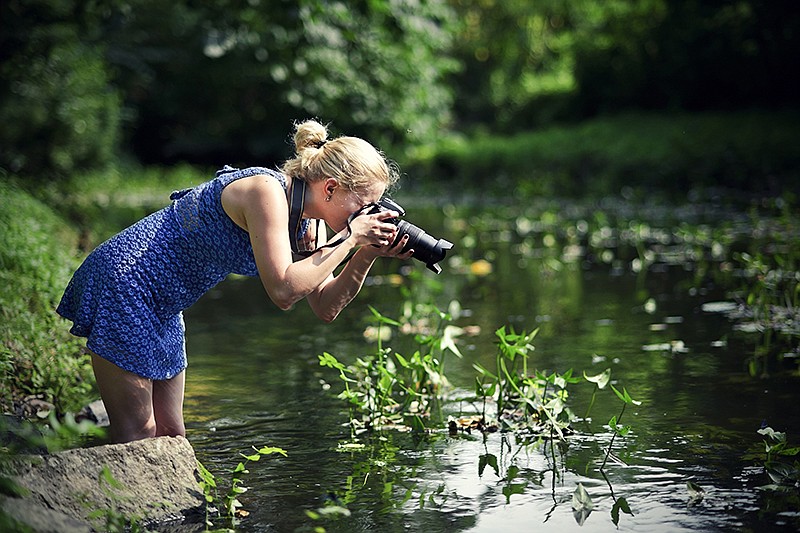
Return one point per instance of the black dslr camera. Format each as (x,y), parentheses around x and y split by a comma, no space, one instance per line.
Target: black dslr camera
(426,248)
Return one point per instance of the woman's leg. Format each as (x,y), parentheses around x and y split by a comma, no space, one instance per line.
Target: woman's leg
(128,400)
(168,406)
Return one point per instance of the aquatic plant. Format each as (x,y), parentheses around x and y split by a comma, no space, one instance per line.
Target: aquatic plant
(615,422)
(776,454)
(527,401)
(386,389)
(230,501)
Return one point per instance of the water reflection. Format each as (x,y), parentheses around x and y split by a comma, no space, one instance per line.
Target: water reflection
(254,380)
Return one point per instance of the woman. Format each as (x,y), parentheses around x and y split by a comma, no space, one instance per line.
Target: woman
(128,296)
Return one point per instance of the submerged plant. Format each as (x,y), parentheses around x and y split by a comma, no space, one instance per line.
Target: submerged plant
(615,423)
(230,501)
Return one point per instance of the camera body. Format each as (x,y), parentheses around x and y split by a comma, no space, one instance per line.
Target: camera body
(427,248)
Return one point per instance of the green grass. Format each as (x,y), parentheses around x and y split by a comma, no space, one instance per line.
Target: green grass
(748,151)
(38,254)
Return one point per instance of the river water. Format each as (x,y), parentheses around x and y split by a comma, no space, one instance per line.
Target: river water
(598,299)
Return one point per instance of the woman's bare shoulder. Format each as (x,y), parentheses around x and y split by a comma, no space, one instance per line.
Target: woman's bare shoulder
(248,197)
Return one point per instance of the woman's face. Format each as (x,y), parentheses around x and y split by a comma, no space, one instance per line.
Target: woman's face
(344,203)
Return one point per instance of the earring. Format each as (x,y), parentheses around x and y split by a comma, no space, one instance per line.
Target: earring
(328,198)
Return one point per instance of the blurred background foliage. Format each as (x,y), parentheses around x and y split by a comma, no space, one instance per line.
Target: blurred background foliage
(85,84)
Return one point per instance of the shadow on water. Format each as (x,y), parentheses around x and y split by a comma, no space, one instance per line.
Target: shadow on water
(615,287)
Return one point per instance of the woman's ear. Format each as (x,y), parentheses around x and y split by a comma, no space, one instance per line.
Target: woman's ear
(330,186)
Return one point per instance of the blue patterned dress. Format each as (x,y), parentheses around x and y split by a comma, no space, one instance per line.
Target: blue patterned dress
(128,295)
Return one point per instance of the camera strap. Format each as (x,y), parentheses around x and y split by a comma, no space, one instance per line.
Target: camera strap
(297,200)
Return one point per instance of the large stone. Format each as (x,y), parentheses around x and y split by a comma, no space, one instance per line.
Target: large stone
(151,480)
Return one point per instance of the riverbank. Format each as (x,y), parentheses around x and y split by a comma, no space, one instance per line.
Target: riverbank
(39,359)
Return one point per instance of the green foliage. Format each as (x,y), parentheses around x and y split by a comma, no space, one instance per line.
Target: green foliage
(386,389)
(230,501)
(110,519)
(527,63)
(37,258)
(384,63)
(582,504)
(777,452)
(671,154)
(60,115)
(615,422)
(531,404)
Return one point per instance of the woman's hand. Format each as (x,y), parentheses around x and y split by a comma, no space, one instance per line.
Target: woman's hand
(396,250)
(375,229)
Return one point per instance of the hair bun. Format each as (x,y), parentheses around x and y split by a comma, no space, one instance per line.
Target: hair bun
(310,134)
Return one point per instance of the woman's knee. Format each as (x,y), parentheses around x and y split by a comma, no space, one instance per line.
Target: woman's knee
(128,400)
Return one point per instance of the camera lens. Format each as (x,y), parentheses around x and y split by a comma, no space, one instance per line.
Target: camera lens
(427,249)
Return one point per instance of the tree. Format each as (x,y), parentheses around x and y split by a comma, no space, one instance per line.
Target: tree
(527,63)
(214,81)
(58,113)
(223,81)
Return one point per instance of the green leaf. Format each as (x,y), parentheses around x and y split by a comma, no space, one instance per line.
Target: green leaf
(790,451)
(269,450)
(382,319)
(483,371)
(620,505)
(601,380)
(618,393)
(582,504)
(513,488)
(771,433)
(480,391)
(624,396)
(328,360)
(333,510)
(782,473)
(490,460)
(696,492)
(449,339)
(402,360)
(206,476)
(581,499)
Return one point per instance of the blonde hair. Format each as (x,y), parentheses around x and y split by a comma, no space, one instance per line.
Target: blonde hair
(354,162)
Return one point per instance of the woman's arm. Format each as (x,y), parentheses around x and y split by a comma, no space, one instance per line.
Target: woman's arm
(259,205)
(335,293)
